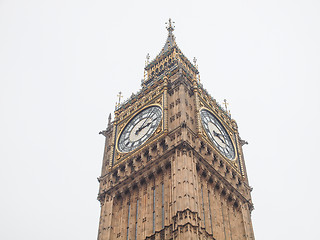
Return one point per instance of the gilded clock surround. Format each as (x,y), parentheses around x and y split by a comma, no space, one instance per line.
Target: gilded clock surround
(163,188)
(229,132)
(123,125)
(158,101)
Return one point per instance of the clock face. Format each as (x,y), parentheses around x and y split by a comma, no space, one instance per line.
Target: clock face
(139,129)
(217,134)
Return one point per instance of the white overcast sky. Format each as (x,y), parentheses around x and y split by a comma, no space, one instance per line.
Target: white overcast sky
(63,62)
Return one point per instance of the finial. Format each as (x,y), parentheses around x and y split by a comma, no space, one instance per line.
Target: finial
(109,120)
(195,63)
(119,96)
(170,26)
(145,64)
(147,59)
(226,106)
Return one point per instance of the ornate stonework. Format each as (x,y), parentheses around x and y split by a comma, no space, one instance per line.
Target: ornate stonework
(177,184)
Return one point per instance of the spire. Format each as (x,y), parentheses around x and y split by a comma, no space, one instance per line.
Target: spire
(168,58)
(171,41)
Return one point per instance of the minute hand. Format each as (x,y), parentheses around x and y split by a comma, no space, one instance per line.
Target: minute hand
(219,136)
(143,126)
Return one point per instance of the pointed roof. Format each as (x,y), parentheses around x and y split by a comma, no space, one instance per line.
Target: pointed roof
(171,40)
(169,47)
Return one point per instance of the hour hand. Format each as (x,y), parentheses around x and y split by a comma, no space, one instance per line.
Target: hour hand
(219,136)
(142,127)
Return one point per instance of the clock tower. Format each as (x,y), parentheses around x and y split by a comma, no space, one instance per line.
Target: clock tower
(173,165)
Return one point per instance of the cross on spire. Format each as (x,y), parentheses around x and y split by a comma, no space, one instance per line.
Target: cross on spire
(119,96)
(226,106)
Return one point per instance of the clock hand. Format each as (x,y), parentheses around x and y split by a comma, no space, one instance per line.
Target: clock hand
(142,127)
(219,136)
(147,117)
(145,126)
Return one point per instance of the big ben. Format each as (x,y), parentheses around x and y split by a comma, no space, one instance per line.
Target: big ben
(173,165)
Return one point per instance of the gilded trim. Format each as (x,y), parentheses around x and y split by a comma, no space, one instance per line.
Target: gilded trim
(121,154)
(227,131)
